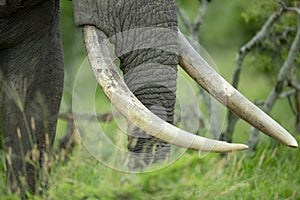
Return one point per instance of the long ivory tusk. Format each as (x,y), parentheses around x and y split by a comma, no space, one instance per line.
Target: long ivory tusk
(102,63)
(220,89)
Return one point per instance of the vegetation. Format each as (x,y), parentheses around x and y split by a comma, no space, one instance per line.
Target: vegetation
(272,172)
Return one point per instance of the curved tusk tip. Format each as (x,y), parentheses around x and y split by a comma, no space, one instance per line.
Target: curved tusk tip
(293,144)
(230,147)
(289,141)
(240,147)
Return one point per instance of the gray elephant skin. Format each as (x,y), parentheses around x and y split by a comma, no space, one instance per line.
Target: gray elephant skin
(146,40)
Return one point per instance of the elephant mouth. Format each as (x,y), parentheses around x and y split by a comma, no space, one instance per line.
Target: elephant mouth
(102,63)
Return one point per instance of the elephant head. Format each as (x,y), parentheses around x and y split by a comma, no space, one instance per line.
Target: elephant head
(141,22)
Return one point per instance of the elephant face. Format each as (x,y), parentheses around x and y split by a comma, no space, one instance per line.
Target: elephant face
(145,37)
(134,24)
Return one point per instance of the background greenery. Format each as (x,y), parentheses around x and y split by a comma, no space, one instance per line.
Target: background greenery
(272,173)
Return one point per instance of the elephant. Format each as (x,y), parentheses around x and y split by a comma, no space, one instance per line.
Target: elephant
(147,42)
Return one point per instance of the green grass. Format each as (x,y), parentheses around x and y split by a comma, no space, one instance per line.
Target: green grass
(273,173)
(270,174)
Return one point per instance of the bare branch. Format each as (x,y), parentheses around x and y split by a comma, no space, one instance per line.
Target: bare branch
(251,43)
(194,27)
(297,10)
(106,117)
(291,105)
(200,16)
(285,69)
(293,9)
(184,18)
(288,93)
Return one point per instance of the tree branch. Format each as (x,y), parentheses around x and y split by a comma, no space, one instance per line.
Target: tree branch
(289,93)
(261,34)
(200,16)
(293,9)
(194,27)
(106,117)
(251,43)
(184,18)
(283,73)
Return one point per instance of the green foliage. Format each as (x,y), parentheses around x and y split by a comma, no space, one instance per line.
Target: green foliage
(270,54)
(259,10)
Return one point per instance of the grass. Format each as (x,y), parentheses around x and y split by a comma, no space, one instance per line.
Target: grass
(273,173)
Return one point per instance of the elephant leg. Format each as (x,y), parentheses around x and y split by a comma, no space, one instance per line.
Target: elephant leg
(31,87)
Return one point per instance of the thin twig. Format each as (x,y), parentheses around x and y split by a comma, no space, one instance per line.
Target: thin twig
(297,10)
(284,71)
(261,34)
(286,8)
(289,93)
(193,27)
(184,18)
(200,16)
(106,117)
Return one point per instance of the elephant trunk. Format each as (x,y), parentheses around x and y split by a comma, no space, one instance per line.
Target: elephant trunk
(154,85)
(150,72)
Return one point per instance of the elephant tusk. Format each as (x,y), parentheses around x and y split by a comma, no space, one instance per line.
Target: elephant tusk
(101,60)
(226,94)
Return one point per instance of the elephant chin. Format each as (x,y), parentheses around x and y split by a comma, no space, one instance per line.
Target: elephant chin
(101,60)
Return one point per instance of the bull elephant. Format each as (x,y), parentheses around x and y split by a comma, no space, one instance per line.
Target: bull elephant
(146,40)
